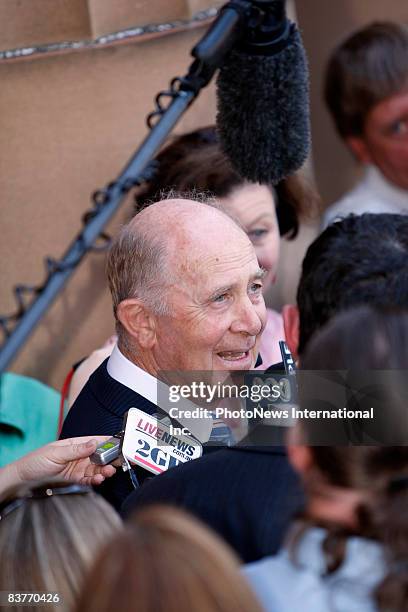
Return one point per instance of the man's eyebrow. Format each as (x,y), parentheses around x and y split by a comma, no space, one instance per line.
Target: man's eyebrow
(259,274)
(220,291)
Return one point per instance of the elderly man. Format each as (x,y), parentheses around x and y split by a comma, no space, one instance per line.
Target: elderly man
(250,493)
(187,295)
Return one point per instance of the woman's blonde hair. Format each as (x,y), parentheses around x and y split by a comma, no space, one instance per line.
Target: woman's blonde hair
(50,532)
(166,561)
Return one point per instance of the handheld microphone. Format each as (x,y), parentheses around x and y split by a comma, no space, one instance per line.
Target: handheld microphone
(108,451)
(153,444)
(263,97)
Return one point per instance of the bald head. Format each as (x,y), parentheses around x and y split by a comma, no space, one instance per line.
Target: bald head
(178,221)
(157,244)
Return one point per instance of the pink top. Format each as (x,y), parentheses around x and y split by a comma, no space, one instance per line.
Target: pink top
(273,332)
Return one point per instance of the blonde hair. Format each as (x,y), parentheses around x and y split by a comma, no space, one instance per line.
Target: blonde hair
(47,543)
(167,561)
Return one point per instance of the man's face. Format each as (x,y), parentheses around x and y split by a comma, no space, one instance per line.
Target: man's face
(386,139)
(217,311)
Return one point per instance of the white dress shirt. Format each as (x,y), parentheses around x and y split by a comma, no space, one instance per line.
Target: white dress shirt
(130,375)
(373,194)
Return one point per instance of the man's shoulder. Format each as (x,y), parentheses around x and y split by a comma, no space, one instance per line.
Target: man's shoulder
(217,461)
(356,201)
(247,495)
(221,470)
(101,405)
(99,390)
(370,195)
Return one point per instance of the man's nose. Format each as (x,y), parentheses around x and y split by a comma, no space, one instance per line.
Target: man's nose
(247,318)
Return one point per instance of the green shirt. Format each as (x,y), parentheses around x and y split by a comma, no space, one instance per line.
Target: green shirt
(28,416)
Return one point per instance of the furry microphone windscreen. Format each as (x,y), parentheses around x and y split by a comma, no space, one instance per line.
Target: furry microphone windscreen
(263,112)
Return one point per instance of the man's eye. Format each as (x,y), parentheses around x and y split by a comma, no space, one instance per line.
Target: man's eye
(220,298)
(399,128)
(256,288)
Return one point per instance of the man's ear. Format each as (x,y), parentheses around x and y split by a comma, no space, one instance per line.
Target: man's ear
(290,315)
(300,458)
(299,455)
(138,321)
(359,149)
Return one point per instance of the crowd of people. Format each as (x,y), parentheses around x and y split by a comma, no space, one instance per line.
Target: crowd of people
(274,517)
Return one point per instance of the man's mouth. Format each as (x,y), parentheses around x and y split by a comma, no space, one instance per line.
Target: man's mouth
(233,355)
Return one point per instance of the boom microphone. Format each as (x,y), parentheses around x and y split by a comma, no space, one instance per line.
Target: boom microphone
(263,97)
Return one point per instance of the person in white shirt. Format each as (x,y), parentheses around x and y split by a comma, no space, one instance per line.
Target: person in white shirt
(366,92)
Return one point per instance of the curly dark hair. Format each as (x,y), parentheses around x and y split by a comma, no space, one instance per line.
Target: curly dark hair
(358,260)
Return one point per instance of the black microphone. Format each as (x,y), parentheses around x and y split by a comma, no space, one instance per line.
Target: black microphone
(263,97)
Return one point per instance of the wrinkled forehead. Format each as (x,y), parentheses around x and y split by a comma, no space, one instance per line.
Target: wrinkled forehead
(216,253)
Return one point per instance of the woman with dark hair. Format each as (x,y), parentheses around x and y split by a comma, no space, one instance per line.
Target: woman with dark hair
(195,163)
(350,551)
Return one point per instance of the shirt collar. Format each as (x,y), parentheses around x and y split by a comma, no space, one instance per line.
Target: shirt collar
(129,374)
(378,184)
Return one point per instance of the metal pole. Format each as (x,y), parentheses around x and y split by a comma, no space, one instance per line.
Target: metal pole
(78,248)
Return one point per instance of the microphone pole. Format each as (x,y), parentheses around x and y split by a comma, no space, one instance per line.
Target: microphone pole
(209,54)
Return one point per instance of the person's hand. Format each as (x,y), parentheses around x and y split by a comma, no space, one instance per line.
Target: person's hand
(66,459)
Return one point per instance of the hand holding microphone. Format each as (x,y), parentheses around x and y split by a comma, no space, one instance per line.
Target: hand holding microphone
(66,459)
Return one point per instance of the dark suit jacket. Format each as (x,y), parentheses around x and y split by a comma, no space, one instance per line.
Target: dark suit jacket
(99,410)
(249,495)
